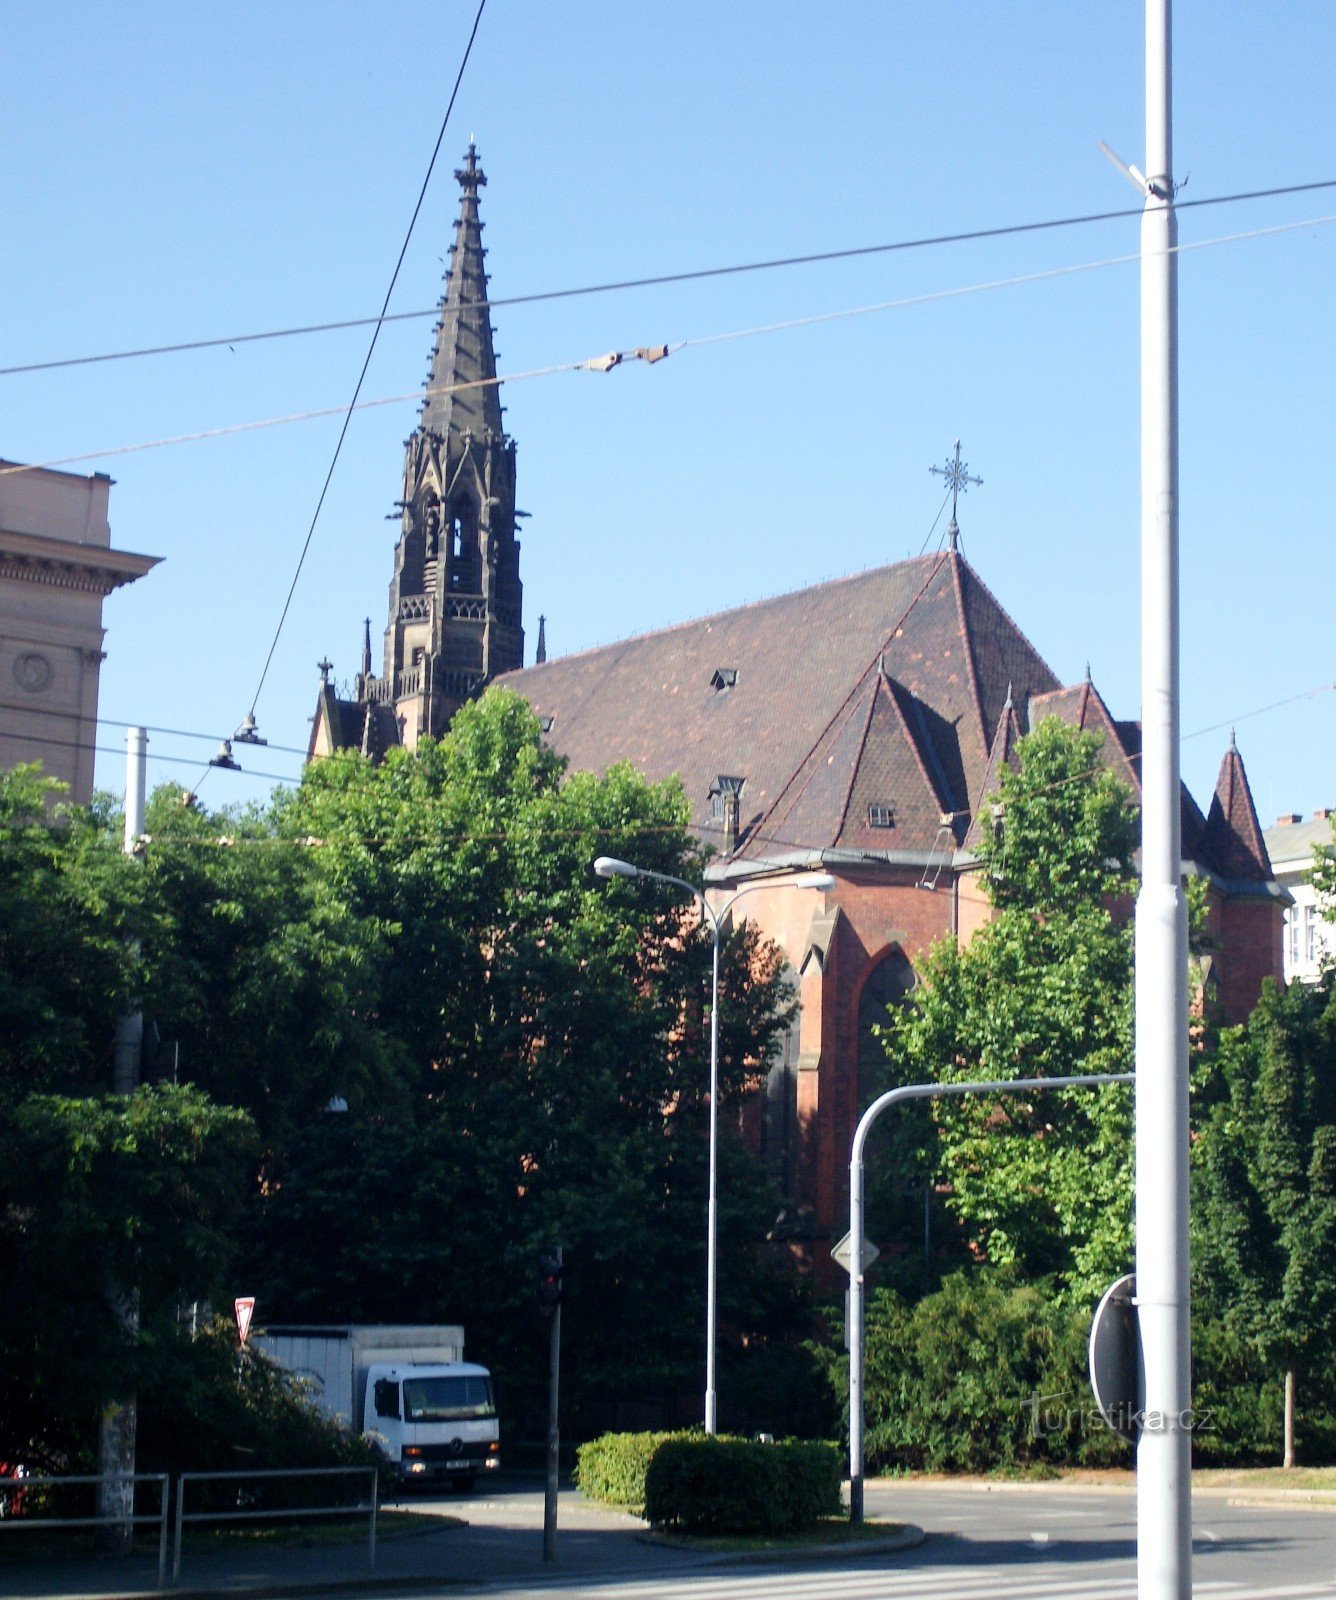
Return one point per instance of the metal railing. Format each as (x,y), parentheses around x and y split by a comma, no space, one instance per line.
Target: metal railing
(257,1514)
(11,1487)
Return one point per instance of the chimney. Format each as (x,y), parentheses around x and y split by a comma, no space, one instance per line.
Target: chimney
(1322,814)
(1290,817)
(727,797)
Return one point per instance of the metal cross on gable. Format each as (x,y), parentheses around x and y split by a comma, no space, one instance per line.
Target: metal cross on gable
(958,480)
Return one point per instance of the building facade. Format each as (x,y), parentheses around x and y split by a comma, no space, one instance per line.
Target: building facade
(1309,939)
(56,568)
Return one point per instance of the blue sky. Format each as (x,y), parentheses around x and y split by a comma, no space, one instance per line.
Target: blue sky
(187,172)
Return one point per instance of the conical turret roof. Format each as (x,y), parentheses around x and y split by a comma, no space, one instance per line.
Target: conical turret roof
(463,354)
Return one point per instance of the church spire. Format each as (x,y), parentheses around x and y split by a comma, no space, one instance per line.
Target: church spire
(463,353)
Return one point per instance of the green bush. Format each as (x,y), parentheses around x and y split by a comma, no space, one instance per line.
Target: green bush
(612,1467)
(733,1486)
(213,1408)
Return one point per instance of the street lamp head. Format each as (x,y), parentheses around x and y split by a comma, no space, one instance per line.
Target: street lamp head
(610,867)
(818,880)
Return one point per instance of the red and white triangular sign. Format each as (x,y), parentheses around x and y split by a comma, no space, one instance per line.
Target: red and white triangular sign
(244,1310)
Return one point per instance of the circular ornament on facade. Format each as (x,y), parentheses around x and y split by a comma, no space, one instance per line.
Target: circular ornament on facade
(32,672)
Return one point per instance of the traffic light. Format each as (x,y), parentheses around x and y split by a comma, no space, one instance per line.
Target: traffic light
(550,1287)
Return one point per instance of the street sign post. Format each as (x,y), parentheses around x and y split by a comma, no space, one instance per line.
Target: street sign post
(843,1253)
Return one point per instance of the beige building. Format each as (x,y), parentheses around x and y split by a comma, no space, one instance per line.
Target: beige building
(1310,940)
(56,567)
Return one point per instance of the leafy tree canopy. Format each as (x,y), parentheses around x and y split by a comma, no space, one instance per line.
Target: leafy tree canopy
(1041,990)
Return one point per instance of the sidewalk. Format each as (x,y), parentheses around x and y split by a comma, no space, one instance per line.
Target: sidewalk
(502,1543)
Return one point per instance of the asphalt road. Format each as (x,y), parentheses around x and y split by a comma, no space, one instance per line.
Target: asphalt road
(995,1542)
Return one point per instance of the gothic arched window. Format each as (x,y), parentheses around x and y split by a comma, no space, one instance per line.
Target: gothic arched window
(888,985)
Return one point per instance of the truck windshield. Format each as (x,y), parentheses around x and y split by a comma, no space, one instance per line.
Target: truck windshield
(446,1399)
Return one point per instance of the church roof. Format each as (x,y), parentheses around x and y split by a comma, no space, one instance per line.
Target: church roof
(1232,839)
(857,712)
(463,352)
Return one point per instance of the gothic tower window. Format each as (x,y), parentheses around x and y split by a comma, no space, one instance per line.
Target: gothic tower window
(464,575)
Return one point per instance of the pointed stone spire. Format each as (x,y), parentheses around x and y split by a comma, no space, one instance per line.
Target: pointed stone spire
(464,353)
(540,655)
(366,648)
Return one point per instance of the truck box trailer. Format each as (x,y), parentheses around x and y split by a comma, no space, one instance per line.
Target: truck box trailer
(406,1388)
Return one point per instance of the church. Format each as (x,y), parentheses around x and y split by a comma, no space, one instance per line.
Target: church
(853,728)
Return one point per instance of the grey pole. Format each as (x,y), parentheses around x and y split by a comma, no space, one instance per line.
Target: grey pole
(117,1426)
(912,1091)
(550,1483)
(1164,1509)
(712,1223)
(610,867)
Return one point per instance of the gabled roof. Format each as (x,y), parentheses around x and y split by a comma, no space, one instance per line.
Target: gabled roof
(878,689)
(463,352)
(1232,842)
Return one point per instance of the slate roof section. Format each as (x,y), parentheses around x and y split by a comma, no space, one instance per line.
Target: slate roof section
(1232,840)
(881,688)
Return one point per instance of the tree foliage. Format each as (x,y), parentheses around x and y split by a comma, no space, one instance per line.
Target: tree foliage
(1264,1195)
(1041,1182)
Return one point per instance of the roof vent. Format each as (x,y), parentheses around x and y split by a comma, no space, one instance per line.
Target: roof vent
(724,678)
(545,724)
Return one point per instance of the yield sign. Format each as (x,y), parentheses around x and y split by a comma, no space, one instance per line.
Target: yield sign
(244,1309)
(843,1252)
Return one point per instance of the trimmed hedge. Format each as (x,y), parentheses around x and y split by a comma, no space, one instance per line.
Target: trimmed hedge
(714,1485)
(612,1467)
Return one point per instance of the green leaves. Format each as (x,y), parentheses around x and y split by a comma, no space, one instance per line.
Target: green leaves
(1043,1182)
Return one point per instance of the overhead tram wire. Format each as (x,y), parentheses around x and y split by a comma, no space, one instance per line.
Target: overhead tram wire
(654,353)
(702,274)
(361,378)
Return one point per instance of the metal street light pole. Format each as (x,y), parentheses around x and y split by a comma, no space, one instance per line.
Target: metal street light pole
(610,867)
(1164,1511)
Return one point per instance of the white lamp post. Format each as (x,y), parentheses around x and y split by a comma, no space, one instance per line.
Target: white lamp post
(610,867)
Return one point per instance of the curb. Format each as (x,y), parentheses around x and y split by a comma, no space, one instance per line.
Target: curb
(908,1536)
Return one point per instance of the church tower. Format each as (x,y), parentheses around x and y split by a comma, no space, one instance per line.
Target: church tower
(455,613)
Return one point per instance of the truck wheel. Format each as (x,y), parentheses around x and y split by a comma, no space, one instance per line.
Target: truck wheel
(465,1481)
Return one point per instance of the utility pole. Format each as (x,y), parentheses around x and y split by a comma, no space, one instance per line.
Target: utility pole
(551,1289)
(1164,1504)
(118,1423)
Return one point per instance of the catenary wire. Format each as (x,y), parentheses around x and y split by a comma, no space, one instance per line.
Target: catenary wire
(974,235)
(589,364)
(375,334)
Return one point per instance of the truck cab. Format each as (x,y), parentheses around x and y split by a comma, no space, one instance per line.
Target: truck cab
(434,1422)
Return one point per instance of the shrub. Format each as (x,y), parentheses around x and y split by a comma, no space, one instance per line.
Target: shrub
(612,1467)
(714,1485)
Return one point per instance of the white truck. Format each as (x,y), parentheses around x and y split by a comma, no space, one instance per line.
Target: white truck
(407,1389)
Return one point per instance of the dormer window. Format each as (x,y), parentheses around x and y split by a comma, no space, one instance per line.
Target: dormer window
(724,792)
(880,816)
(545,724)
(724,678)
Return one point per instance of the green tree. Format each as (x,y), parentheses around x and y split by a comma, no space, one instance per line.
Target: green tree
(99,1194)
(551,1031)
(1042,1183)
(63,960)
(1264,1197)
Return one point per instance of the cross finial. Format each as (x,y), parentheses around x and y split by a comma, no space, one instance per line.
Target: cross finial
(958,480)
(324,668)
